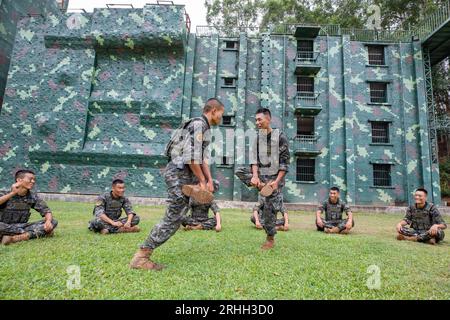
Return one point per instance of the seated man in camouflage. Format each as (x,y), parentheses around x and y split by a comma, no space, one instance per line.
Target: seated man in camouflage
(334,207)
(15,211)
(108,210)
(257,215)
(424,220)
(199,218)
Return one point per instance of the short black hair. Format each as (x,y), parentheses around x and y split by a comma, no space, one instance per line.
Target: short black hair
(334,189)
(265,111)
(117,181)
(208,107)
(22,172)
(423,190)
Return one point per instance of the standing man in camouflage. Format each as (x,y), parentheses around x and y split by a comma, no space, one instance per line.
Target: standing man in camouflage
(187,175)
(281,224)
(199,218)
(108,209)
(334,207)
(268,167)
(15,211)
(424,219)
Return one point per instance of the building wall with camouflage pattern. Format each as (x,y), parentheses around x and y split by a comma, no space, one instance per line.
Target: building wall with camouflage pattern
(10,13)
(95,96)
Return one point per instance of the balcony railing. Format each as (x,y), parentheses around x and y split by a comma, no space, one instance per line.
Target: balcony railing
(306,100)
(306,144)
(307,56)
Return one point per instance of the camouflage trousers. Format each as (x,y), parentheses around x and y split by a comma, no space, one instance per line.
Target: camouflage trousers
(177,205)
(206,223)
(278,222)
(35,229)
(269,214)
(98,224)
(334,223)
(422,235)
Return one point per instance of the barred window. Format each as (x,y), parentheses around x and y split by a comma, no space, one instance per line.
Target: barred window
(305,126)
(376,55)
(378,92)
(226,160)
(305,86)
(229,82)
(382,175)
(229,44)
(305,49)
(380,132)
(306,169)
(227,120)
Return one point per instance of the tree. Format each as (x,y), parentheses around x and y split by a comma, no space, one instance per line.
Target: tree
(231,15)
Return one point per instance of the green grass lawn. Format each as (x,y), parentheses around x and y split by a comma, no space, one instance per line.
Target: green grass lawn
(305,264)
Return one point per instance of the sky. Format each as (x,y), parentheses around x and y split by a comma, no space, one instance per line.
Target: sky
(195,8)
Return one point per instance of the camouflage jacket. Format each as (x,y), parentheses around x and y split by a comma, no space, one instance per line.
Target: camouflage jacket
(422,219)
(281,162)
(333,211)
(112,207)
(201,211)
(190,142)
(17,209)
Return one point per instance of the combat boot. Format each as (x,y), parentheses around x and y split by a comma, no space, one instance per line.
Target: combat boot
(199,195)
(6,240)
(129,229)
(332,230)
(266,189)
(141,260)
(270,242)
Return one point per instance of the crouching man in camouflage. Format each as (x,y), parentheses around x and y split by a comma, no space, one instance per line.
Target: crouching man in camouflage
(268,167)
(199,218)
(334,207)
(15,211)
(281,224)
(108,209)
(424,219)
(186,175)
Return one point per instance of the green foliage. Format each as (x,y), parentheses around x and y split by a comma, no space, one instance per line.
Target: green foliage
(305,264)
(444,172)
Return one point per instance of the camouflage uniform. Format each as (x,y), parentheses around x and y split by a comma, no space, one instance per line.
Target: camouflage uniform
(278,206)
(245,175)
(421,220)
(199,215)
(333,215)
(112,208)
(177,174)
(15,213)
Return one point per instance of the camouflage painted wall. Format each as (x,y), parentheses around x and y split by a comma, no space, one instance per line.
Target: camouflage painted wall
(10,13)
(95,96)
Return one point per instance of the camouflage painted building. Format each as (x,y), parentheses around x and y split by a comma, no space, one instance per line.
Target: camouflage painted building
(92,96)
(10,13)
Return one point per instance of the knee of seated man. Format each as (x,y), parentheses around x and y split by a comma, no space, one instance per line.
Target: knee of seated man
(54,223)
(136,219)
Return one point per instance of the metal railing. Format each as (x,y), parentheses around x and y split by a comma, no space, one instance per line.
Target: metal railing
(305,143)
(432,22)
(307,56)
(306,98)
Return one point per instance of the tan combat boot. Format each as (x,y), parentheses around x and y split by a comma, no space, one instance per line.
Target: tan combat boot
(266,190)
(130,229)
(17,238)
(270,242)
(332,230)
(199,195)
(195,227)
(141,260)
